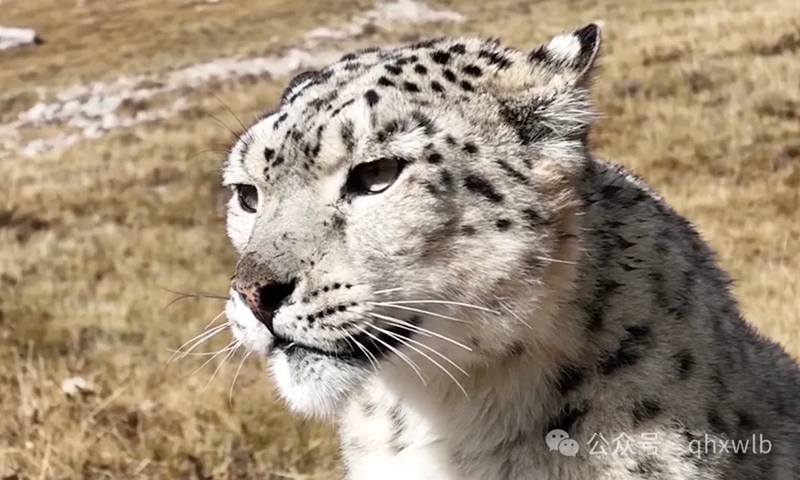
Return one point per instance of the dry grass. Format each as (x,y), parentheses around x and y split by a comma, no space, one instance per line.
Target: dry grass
(700,97)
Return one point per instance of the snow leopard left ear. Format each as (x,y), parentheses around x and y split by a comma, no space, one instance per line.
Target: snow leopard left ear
(571,55)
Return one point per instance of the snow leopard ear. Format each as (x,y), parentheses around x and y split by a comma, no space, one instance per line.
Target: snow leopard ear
(546,99)
(571,55)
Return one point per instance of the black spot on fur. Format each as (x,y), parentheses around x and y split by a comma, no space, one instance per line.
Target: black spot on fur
(410,87)
(629,352)
(297,135)
(312,75)
(526,120)
(245,150)
(391,128)
(644,410)
(472,70)
(427,43)
(503,224)
(746,423)
(369,408)
(659,290)
(419,68)
(539,55)
(451,140)
(280,120)
(516,349)
(716,422)
(566,420)
(450,76)
(638,331)
(385,82)
(352,66)
(458,49)
(398,427)
(533,219)
(569,378)
(468,230)
(316,104)
(348,137)
(394,69)
(437,87)
(686,363)
(481,186)
(431,188)
(512,172)
(338,223)
(372,97)
(466,86)
(446,179)
(494,58)
(470,147)
(440,57)
(434,158)
(342,107)
(268,154)
(647,467)
(425,122)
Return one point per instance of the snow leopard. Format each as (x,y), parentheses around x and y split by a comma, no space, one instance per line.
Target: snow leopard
(432,258)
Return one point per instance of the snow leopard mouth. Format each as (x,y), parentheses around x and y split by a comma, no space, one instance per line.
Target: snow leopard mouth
(356,349)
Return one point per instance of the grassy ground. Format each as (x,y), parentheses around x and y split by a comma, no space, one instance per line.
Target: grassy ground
(699,97)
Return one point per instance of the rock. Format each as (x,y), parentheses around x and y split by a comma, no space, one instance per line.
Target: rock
(76,385)
(18,37)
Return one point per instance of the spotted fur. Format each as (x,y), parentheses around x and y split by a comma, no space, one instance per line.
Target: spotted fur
(504,283)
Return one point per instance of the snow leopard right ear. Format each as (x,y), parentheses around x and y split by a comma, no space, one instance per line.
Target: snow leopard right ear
(571,56)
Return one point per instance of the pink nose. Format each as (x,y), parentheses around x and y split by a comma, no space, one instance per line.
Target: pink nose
(264,300)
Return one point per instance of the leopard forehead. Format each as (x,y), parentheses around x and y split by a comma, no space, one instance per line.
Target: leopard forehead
(356,107)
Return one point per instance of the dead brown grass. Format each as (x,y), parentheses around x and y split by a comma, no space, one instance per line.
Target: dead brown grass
(700,97)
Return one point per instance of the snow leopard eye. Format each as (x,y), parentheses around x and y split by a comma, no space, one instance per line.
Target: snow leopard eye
(248,197)
(373,177)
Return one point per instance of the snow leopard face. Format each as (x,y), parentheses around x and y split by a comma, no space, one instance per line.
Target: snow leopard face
(396,205)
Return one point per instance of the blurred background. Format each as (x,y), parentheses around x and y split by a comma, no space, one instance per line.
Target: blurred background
(114,119)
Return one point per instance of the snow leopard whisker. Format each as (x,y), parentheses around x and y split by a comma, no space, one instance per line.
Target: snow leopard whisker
(197,340)
(388,290)
(416,328)
(397,352)
(185,295)
(372,360)
(236,375)
(513,314)
(426,347)
(229,109)
(221,363)
(442,302)
(554,260)
(226,349)
(194,354)
(417,310)
(207,333)
(407,342)
(214,320)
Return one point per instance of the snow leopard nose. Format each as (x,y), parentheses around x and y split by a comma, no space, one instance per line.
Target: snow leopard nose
(265,300)
(261,290)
